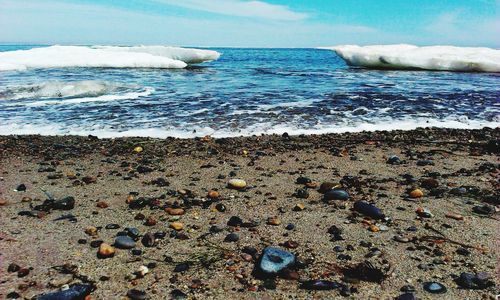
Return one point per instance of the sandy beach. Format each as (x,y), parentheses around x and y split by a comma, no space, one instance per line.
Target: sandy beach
(196,233)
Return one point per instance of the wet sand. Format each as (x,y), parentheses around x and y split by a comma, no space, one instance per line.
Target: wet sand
(116,184)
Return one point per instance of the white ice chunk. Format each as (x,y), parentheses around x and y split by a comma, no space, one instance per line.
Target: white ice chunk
(189,56)
(158,57)
(437,58)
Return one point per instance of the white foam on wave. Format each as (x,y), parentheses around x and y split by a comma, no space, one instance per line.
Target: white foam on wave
(435,58)
(262,128)
(75,92)
(58,89)
(158,57)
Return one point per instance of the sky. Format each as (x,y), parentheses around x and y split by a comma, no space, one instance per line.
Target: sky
(242,23)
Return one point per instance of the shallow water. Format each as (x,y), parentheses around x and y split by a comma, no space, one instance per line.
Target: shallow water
(247,91)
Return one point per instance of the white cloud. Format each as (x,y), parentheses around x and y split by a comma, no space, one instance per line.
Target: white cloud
(456,27)
(240,8)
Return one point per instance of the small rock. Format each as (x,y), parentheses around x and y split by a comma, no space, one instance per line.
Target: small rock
(327,186)
(237,184)
(302,193)
(91,230)
(299,207)
(213,195)
(474,281)
(368,209)
(416,193)
(435,288)
(134,294)
(66,203)
(21,188)
(138,149)
(102,204)
(124,242)
(234,221)
(148,240)
(303,180)
(3,202)
(232,237)
(174,211)
(274,260)
(220,207)
(273,221)
(394,160)
(106,251)
(77,291)
(336,194)
(320,285)
(177,226)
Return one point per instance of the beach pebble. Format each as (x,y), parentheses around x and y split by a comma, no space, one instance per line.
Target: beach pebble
(106,250)
(327,186)
(3,202)
(21,187)
(336,194)
(220,207)
(368,209)
(424,212)
(148,240)
(77,291)
(274,260)
(429,183)
(235,221)
(124,242)
(320,285)
(302,193)
(66,203)
(303,180)
(237,184)
(232,237)
(435,288)
(401,239)
(275,221)
(132,232)
(299,207)
(138,149)
(134,294)
(474,281)
(394,160)
(213,194)
(91,230)
(174,211)
(416,193)
(176,226)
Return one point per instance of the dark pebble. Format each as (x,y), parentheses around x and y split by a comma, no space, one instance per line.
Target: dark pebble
(21,188)
(134,294)
(336,195)
(235,221)
(232,237)
(220,207)
(124,242)
(182,267)
(112,226)
(148,240)
(96,243)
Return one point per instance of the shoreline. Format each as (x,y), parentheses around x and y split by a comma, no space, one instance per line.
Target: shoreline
(176,194)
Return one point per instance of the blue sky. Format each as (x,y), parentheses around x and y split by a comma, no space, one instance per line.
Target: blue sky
(241,23)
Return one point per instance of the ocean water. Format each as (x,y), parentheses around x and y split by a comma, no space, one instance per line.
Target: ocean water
(245,92)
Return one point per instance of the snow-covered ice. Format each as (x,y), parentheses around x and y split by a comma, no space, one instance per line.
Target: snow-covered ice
(437,58)
(160,57)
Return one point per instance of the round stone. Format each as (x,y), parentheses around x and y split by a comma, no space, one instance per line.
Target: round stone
(177,226)
(174,211)
(231,238)
(336,195)
(394,160)
(416,193)
(237,184)
(435,288)
(106,250)
(134,294)
(124,242)
(327,186)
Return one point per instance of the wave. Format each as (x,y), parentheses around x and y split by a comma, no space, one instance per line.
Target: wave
(409,57)
(71,93)
(158,57)
(256,129)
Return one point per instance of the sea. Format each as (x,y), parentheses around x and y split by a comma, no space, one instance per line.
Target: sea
(245,92)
